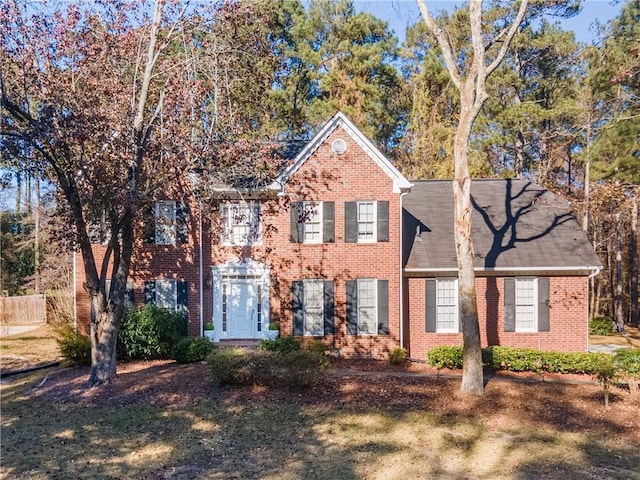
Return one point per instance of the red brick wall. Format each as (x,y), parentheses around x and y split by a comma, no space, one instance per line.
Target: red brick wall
(568,318)
(325,176)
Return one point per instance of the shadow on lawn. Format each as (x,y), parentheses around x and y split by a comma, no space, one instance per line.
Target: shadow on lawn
(169,421)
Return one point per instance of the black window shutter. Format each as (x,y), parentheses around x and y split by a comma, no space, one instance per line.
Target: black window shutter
(182,305)
(297,307)
(383,221)
(149,222)
(509,304)
(328,308)
(430,305)
(182,223)
(295,221)
(543,304)
(129,295)
(352,307)
(350,222)
(150,292)
(328,222)
(383,307)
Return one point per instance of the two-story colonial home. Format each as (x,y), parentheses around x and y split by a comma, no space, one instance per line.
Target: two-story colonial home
(341,247)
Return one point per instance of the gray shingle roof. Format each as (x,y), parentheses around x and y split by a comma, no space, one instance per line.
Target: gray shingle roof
(516,226)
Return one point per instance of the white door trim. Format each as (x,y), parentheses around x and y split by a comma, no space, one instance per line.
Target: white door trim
(223,276)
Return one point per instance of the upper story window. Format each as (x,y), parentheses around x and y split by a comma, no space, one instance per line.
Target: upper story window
(312,222)
(367,231)
(166,226)
(366,221)
(242,224)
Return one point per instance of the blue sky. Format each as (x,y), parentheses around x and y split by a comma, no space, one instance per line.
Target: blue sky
(401,13)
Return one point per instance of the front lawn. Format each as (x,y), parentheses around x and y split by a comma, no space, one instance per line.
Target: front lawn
(163,420)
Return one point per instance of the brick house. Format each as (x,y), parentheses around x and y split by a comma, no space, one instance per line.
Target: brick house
(341,247)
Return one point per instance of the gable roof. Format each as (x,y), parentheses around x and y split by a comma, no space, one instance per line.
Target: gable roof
(400,183)
(516,226)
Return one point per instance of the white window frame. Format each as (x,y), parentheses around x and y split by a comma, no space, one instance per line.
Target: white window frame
(363,307)
(166,232)
(253,226)
(312,214)
(309,308)
(447,302)
(172,288)
(529,302)
(361,232)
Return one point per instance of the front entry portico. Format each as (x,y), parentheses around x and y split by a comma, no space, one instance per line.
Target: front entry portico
(240,300)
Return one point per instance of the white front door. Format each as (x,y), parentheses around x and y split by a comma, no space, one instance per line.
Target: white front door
(241,308)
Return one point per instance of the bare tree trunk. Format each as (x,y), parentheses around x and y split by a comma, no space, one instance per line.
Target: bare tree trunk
(618,308)
(36,242)
(18,192)
(633,260)
(587,182)
(471,83)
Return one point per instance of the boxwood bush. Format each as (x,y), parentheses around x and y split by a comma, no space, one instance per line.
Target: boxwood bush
(281,345)
(192,349)
(149,332)
(627,361)
(522,360)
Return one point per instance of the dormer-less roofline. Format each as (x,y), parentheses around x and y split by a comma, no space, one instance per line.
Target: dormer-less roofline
(400,183)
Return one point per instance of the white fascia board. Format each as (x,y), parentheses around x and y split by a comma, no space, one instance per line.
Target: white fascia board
(400,183)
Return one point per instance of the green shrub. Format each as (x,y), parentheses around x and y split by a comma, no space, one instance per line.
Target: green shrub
(208,325)
(244,367)
(296,369)
(627,361)
(522,360)
(149,332)
(280,345)
(274,326)
(398,356)
(235,366)
(74,347)
(600,326)
(445,357)
(192,349)
(317,346)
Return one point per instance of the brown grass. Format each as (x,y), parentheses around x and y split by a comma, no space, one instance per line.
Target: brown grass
(163,420)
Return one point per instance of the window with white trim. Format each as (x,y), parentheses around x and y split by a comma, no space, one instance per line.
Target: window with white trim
(242,224)
(312,222)
(367,306)
(367,221)
(525,304)
(166,293)
(166,225)
(447,305)
(314,307)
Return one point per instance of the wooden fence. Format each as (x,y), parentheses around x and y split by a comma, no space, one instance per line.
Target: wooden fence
(24,310)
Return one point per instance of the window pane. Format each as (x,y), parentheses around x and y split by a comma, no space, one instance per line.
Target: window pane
(312,217)
(166,223)
(166,294)
(241,224)
(366,221)
(367,311)
(313,307)
(447,305)
(525,304)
